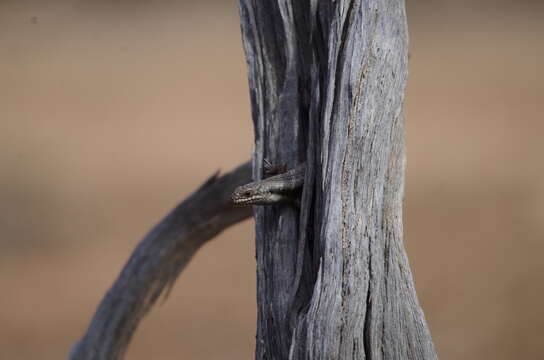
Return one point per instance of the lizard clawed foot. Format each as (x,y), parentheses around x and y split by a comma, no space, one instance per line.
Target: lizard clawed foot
(270,170)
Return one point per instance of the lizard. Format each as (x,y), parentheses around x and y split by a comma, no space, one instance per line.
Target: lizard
(281,188)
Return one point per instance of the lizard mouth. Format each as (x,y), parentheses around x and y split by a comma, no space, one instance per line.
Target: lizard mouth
(245,199)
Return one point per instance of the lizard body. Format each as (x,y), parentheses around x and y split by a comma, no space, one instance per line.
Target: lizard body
(284,187)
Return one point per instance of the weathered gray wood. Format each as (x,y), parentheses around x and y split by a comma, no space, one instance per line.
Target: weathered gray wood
(327,83)
(156,263)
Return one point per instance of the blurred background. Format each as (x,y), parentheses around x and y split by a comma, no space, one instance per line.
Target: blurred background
(113,111)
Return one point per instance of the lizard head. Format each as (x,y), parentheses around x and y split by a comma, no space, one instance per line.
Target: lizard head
(254,194)
(281,188)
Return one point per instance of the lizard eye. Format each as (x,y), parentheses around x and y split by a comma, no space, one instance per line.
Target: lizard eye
(244,193)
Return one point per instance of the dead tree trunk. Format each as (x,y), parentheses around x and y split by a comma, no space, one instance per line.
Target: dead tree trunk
(327,83)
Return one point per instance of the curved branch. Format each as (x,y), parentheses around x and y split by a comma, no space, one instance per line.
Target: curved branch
(157,261)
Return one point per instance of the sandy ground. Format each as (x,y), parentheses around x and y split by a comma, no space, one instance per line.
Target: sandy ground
(106,123)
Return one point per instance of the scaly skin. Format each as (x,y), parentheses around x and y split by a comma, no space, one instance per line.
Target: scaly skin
(275,189)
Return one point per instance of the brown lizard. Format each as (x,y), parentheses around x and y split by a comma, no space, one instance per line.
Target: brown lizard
(284,187)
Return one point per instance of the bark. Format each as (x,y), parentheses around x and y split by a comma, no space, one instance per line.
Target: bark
(156,263)
(327,83)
